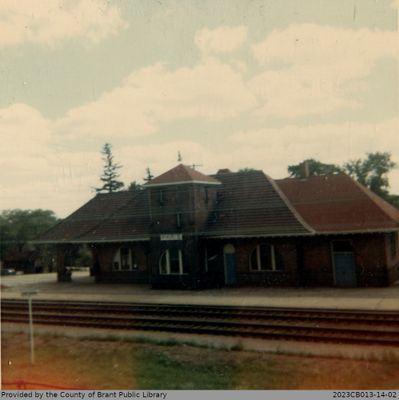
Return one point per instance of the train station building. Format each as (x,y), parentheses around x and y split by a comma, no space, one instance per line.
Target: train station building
(185,229)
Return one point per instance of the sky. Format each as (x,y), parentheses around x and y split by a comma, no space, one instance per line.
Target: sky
(229,83)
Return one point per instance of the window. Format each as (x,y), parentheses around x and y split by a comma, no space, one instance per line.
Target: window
(206,195)
(161,199)
(265,258)
(393,240)
(171,262)
(125,259)
(178,220)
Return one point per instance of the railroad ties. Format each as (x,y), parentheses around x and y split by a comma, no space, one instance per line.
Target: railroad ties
(315,325)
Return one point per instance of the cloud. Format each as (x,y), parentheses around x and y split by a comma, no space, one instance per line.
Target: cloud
(308,69)
(299,91)
(273,149)
(155,95)
(22,128)
(38,173)
(50,21)
(223,40)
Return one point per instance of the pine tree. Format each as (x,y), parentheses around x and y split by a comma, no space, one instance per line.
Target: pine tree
(149,176)
(110,173)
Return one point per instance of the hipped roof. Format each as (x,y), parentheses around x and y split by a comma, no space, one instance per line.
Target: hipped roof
(338,204)
(181,174)
(248,204)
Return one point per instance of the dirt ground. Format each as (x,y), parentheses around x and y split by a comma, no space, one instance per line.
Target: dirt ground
(71,363)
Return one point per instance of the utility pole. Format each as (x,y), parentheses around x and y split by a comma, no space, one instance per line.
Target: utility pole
(30,293)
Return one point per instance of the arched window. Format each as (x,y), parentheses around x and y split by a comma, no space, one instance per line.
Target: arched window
(124,259)
(171,262)
(265,258)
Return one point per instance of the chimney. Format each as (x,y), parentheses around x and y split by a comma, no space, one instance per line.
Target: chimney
(304,169)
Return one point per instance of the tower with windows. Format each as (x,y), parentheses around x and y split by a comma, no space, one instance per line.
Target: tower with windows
(180,201)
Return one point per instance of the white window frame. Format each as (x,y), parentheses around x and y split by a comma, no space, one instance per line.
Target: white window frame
(167,255)
(117,259)
(258,267)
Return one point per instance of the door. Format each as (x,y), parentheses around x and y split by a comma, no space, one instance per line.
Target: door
(344,264)
(230,268)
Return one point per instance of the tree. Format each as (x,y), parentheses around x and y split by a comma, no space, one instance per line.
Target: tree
(110,173)
(246,169)
(314,167)
(372,172)
(134,187)
(149,176)
(18,227)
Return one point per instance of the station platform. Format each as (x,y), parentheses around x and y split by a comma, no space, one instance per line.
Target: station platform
(83,288)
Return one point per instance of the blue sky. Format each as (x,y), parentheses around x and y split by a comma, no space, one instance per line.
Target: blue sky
(229,84)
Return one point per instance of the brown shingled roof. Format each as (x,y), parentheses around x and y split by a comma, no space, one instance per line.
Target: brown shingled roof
(337,203)
(86,218)
(131,221)
(250,203)
(181,174)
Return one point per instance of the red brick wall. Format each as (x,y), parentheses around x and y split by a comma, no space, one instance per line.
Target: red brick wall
(370,258)
(371,262)
(106,253)
(392,260)
(246,276)
(317,262)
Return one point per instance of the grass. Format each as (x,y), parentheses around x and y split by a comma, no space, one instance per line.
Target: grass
(156,370)
(141,363)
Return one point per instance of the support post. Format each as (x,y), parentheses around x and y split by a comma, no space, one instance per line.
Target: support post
(63,275)
(32,344)
(30,293)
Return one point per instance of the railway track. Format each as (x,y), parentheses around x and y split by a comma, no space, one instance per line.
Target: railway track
(315,325)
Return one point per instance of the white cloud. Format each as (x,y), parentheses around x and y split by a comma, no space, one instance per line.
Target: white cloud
(224,39)
(298,91)
(37,172)
(308,68)
(50,21)
(22,128)
(154,95)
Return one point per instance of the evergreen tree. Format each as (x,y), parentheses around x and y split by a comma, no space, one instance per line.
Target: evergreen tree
(110,173)
(134,187)
(149,176)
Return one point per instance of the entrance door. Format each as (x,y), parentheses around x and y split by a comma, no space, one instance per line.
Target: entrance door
(344,264)
(230,268)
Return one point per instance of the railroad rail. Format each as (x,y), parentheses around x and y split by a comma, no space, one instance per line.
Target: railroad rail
(315,325)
